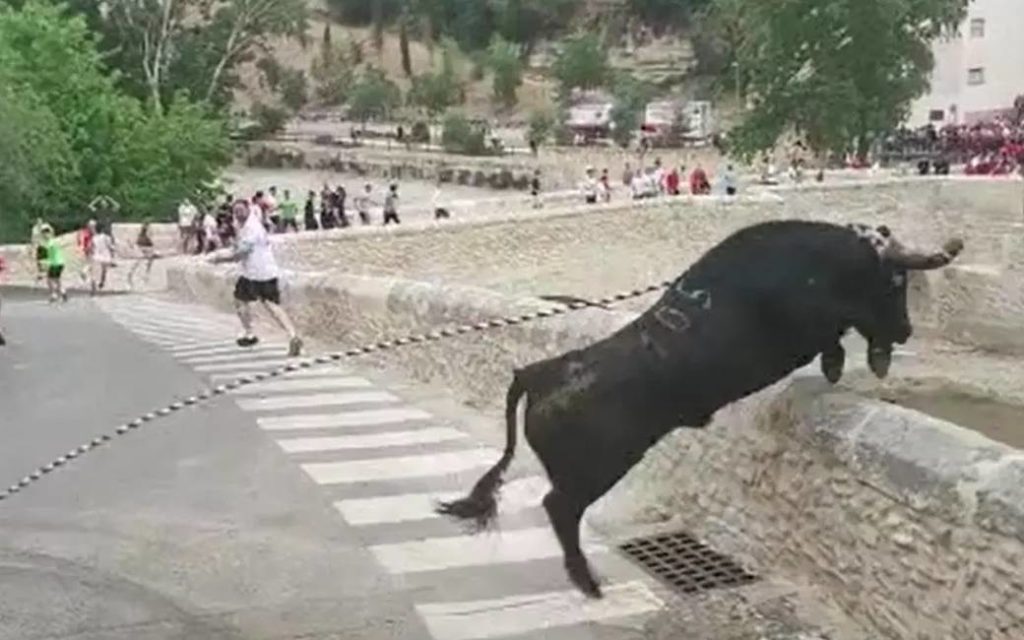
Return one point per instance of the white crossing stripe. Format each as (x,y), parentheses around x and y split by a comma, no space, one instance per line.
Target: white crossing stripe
(505,547)
(431,435)
(437,464)
(516,496)
(306,383)
(239,354)
(224,346)
(371,417)
(243,365)
(317,400)
(520,614)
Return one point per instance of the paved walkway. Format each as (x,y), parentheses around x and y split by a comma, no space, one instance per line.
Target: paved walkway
(382,462)
(370,447)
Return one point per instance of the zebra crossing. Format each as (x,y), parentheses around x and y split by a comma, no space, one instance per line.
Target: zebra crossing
(383,464)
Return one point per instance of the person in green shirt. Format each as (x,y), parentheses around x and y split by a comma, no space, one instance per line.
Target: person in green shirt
(289,212)
(54,265)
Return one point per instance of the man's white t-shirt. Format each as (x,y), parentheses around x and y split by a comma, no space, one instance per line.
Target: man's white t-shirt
(186,214)
(258,263)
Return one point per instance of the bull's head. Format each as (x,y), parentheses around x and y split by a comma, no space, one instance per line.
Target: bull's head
(888,320)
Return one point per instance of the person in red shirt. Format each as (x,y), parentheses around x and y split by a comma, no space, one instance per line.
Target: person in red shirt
(85,238)
(672,182)
(699,184)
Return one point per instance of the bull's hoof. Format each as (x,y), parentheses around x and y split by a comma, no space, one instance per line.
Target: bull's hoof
(583,578)
(832,364)
(880,360)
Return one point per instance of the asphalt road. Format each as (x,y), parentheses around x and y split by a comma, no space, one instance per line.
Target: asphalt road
(298,509)
(194,528)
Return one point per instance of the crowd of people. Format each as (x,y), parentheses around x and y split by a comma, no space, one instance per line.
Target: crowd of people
(204,231)
(656,181)
(992,147)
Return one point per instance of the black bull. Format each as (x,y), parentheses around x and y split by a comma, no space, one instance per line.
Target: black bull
(763,303)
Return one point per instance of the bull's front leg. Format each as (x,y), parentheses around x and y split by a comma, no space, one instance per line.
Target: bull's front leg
(833,360)
(879,359)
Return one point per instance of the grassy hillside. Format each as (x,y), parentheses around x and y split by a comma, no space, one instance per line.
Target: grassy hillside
(667,61)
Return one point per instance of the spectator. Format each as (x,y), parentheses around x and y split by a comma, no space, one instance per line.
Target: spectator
(187,213)
(289,212)
(672,182)
(729,181)
(391,206)
(589,186)
(309,219)
(699,184)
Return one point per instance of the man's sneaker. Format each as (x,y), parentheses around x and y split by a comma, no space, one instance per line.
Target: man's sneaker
(295,347)
(247,341)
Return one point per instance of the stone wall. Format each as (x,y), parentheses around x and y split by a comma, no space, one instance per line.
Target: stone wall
(912,525)
(597,250)
(497,173)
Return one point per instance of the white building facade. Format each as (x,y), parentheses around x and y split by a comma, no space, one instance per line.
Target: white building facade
(978,72)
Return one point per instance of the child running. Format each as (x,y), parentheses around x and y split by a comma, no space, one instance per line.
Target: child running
(54,265)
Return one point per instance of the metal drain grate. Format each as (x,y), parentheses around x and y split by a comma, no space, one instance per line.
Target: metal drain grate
(683,562)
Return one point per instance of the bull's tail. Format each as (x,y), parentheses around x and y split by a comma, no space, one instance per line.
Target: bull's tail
(481,505)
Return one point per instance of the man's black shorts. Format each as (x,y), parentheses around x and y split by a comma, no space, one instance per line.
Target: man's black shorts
(55,272)
(252,290)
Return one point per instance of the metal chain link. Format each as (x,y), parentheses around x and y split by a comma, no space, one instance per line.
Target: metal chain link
(384,345)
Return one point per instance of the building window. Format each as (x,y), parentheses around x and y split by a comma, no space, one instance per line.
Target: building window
(936,115)
(976,76)
(977,27)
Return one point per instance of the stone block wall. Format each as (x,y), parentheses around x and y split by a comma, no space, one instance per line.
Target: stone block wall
(597,250)
(913,526)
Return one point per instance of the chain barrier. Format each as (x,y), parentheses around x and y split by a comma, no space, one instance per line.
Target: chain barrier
(330,358)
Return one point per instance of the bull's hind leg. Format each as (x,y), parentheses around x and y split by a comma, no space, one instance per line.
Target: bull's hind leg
(833,361)
(565,512)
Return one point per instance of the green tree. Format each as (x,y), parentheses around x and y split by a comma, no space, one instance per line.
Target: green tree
(503,60)
(582,63)
(459,135)
(403,40)
(165,46)
(840,72)
(373,96)
(540,127)
(112,145)
(294,89)
(436,92)
(332,72)
(666,14)
(38,167)
(631,99)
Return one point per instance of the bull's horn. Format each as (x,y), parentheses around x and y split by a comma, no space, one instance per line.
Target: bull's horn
(920,261)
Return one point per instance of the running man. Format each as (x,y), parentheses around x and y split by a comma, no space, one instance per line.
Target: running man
(54,265)
(259,278)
